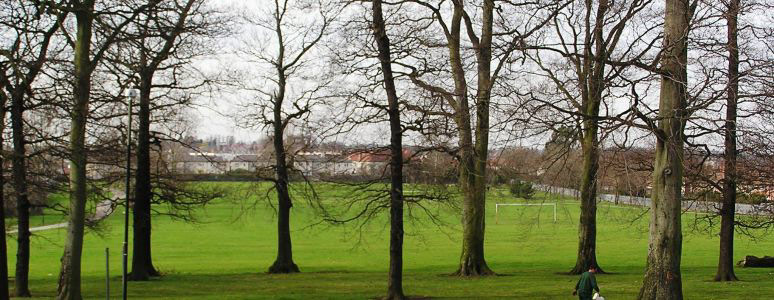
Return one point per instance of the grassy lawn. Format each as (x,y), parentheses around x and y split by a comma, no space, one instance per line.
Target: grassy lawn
(226,254)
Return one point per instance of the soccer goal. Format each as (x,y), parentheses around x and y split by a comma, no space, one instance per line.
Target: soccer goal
(497,208)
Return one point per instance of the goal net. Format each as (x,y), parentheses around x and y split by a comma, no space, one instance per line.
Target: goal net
(498,205)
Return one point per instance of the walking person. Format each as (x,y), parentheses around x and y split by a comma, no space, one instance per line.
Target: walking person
(586,285)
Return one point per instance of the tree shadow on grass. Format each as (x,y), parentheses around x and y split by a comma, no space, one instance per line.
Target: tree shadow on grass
(598,273)
(238,285)
(495,275)
(334,272)
(407,297)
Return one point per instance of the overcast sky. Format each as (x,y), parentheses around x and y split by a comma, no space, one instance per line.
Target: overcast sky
(214,116)
(217,115)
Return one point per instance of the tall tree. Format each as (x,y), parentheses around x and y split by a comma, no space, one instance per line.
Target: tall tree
(84,63)
(279,106)
(725,270)
(395,278)
(33,31)
(592,85)
(160,34)
(586,35)
(472,154)
(70,274)
(447,81)
(662,275)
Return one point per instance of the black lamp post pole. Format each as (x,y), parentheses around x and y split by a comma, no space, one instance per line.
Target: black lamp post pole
(131,94)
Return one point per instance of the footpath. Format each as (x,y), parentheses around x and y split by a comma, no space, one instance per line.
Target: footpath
(103,210)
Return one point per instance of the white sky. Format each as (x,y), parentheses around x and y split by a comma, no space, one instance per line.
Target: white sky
(218,115)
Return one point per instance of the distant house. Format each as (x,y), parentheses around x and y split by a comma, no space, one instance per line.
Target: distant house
(248,162)
(201,164)
(369,163)
(319,163)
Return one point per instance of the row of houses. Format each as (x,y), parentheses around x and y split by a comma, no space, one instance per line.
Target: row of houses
(308,163)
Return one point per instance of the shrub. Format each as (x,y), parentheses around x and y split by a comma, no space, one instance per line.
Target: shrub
(499,179)
(751,198)
(522,189)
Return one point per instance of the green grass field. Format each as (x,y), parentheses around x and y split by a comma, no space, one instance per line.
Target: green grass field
(226,254)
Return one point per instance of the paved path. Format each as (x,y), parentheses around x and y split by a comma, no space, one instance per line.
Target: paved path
(104,209)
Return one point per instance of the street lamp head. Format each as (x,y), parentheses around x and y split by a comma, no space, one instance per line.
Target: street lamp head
(132,93)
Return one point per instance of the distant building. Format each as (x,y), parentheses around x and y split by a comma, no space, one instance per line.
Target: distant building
(201,164)
(248,162)
(310,164)
(323,163)
(369,163)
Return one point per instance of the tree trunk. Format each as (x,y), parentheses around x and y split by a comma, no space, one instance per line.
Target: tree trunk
(142,264)
(592,79)
(284,262)
(726,256)
(70,274)
(473,157)
(395,276)
(142,261)
(587,229)
(662,275)
(4,295)
(472,262)
(757,262)
(21,288)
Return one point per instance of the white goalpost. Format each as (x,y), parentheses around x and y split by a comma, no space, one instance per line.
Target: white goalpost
(497,208)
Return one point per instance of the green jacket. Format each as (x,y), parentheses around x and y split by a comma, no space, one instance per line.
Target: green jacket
(586,284)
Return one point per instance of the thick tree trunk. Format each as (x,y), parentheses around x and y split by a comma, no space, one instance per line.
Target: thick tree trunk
(592,78)
(142,263)
(473,157)
(725,270)
(472,262)
(70,274)
(21,286)
(726,256)
(587,229)
(142,260)
(284,262)
(395,277)
(4,295)
(662,275)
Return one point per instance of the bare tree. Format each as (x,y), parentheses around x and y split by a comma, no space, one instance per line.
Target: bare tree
(33,31)
(726,257)
(395,278)
(438,59)
(587,35)
(736,65)
(286,96)
(163,42)
(85,60)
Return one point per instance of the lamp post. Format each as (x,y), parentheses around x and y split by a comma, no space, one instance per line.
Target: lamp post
(131,94)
